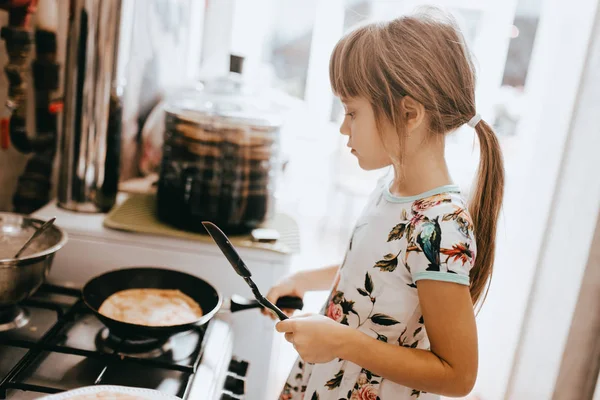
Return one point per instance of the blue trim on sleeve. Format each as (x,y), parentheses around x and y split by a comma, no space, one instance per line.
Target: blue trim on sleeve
(441,276)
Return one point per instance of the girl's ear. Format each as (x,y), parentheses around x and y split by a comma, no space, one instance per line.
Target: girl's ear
(413,113)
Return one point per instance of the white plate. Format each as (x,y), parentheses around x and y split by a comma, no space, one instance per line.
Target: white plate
(146,393)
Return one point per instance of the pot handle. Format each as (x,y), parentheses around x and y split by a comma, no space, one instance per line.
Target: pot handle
(239,303)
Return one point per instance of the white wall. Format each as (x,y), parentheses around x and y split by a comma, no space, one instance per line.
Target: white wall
(552,91)
(566,244)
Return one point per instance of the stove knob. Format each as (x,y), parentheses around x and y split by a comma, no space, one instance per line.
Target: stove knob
(238,367)
(235,385)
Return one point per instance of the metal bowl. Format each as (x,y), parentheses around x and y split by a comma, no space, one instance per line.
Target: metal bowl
(20,278)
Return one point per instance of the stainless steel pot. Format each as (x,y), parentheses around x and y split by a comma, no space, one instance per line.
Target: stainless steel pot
(20,278)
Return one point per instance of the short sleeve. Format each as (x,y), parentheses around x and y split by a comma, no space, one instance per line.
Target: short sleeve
(443,248)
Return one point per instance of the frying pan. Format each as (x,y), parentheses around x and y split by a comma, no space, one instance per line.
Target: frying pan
(97,290)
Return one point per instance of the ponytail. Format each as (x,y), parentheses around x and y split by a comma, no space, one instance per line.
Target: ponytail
(484,207)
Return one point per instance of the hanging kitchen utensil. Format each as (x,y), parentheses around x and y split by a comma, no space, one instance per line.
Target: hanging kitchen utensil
(242,270)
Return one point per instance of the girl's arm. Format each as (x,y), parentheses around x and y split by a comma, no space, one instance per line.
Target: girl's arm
(316,279)
(450,368)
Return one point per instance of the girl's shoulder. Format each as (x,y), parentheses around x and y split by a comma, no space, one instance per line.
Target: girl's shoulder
(440,204)
(448,209)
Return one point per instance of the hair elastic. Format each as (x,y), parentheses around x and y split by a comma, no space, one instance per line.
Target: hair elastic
(474,121)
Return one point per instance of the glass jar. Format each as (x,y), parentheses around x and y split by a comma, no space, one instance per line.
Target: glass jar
(220,158)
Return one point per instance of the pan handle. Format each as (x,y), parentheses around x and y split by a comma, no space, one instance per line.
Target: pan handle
(239,303)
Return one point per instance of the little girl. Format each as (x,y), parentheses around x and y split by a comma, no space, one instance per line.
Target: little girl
(399,323)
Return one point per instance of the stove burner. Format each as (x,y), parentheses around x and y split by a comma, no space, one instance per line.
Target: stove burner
(176,348)
(138,347)
(13,317)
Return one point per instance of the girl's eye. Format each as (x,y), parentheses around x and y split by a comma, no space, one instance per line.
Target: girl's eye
(350,114)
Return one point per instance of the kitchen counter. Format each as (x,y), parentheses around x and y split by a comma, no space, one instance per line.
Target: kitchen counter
(137,213)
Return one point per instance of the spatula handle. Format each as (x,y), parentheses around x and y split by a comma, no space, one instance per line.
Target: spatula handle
(285,302)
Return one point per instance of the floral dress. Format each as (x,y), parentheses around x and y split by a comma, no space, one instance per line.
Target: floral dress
(396,242)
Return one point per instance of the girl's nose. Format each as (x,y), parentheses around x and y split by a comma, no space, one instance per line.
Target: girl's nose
(344,129)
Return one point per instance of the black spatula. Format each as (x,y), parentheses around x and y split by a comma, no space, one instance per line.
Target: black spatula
(242,270)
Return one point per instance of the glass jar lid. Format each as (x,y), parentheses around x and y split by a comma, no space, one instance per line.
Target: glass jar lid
(226,101)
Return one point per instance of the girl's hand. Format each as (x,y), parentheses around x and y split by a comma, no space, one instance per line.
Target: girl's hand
(289,286)
(316,338)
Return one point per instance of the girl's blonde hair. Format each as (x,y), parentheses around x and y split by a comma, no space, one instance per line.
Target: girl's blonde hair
(425,57)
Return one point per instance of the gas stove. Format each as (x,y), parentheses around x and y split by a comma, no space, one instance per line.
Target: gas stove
(52,343)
